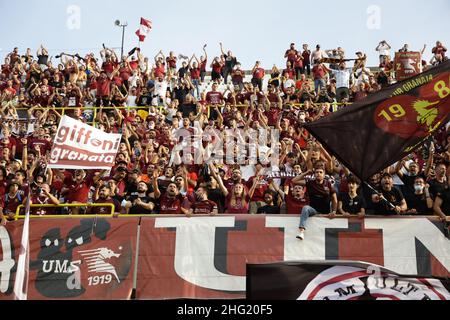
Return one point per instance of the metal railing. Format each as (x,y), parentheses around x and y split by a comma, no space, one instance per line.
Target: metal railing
(69,205)
(95,110)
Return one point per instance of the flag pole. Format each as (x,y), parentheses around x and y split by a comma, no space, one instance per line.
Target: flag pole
(391,205)
(23,264)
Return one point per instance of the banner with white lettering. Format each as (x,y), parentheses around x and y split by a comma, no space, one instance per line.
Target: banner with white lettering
(81,146)
(81,259)
(205,257)
(339,280)
(407,64)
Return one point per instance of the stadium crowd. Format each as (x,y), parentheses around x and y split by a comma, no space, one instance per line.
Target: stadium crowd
(149,100)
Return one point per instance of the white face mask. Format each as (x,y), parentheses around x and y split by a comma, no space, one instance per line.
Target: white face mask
(418,188)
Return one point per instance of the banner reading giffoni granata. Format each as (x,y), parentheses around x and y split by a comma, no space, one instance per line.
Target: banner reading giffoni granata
(204,257)
(80,146)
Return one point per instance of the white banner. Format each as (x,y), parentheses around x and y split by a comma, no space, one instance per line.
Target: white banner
(81,146)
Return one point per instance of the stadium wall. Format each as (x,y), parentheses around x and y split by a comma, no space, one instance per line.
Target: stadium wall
(204,257)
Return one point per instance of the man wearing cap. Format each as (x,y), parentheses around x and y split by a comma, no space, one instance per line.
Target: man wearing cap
(388,200)
(317,55)
(120,178)
(140,202)
(132,182)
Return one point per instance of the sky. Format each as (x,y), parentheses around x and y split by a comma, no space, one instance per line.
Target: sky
(252,30)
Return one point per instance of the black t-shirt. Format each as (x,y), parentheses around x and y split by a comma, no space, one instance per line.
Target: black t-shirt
(436,187)
(135,209)
(320,195)
(186,109)
(56,84)
(418,202)
(269,210)
(144,100)
(180,93)
(230,62)
(182,71)
(42,59)
(408,187)
(352,205)
(445,196)
(130,189)
(217,196)
(395,196)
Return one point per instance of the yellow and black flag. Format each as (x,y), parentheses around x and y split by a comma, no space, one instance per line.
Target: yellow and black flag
(389,124)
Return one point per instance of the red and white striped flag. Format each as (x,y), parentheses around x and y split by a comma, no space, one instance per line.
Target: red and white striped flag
(144,29)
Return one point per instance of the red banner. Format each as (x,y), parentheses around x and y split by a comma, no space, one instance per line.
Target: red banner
(407,64)
(74,258)
(78,146)
(204,257)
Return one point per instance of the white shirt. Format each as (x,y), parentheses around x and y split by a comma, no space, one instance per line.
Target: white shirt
(133,80)
(131,101)
(161,88)
(289,83)
(383,50)
(342,78)
(317,55)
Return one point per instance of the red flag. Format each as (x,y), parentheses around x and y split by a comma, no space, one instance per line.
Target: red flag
(144,29)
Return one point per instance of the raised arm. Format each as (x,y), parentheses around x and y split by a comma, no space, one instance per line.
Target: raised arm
(218,178)
(300,179)
(255,184)
(156,192)
(204,50)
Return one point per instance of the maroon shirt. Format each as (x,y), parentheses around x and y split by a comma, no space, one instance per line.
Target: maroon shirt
(306,54)
(237,76)
(318,72)
(103,87)
(203,65)
(291,54)
(204,207)
(44,145)
(217,67)
(10,204)
(195,73)
(258,73)
(109,66)
(172,62)
(78,192)
(105,210)
(214,97)
(294,205)
(173,205)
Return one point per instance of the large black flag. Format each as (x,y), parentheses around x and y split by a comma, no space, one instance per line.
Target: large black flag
(372,134)
(338,280)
